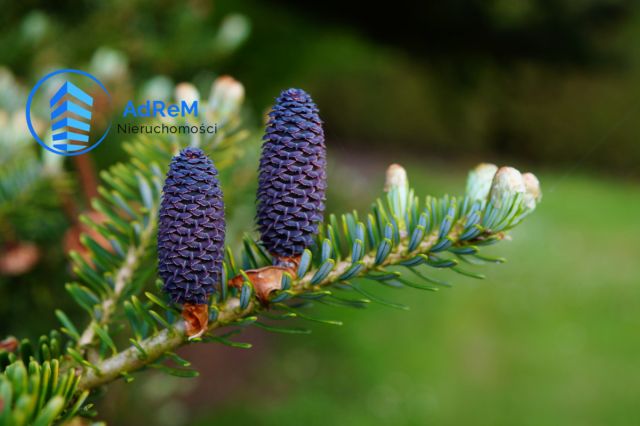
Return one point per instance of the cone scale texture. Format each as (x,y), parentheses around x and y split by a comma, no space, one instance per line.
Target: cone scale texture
(191,228)
(292,175)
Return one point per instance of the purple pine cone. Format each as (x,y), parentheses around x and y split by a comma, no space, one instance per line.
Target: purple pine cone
(191,228)
(292,180)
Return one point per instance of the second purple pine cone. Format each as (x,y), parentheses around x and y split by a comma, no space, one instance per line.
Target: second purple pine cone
(292,175)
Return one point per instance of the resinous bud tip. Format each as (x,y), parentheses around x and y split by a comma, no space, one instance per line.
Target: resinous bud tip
(533,193)
(396,177)
(227,95)
(186,92)
(506,183)
(479,181)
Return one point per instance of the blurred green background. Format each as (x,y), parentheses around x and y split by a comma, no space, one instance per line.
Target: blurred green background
(550,337)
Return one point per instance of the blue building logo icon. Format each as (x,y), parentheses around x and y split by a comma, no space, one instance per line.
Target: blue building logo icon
(71,118)
(69,98)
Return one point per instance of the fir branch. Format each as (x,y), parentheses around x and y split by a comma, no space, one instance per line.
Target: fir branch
(153,348)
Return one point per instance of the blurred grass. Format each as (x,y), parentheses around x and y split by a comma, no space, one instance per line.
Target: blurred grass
(550,337)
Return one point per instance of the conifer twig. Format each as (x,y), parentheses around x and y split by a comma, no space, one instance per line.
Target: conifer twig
(152,348)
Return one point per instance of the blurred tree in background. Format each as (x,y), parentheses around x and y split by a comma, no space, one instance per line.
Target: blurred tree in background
(540,79)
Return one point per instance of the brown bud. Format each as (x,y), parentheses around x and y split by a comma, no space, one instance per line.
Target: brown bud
(196,319)
(19,259)
(10,344)
(269,278)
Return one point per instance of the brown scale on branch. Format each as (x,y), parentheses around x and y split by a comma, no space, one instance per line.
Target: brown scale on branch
(269,278)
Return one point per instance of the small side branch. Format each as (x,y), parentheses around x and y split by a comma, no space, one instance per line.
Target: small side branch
(123,277)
